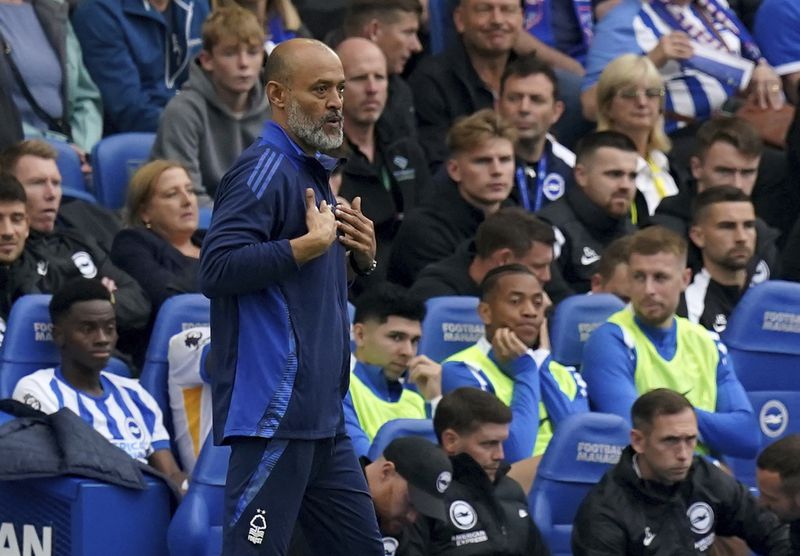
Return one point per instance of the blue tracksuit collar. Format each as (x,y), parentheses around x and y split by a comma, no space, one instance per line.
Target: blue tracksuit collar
(373,377)
(276,135)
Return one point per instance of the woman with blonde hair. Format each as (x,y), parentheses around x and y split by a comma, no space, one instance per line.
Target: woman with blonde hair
(160,247)
(630,99)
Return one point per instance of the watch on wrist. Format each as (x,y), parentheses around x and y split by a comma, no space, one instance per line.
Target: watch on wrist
(365,272)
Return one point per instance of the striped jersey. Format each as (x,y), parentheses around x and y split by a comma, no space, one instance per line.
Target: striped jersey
(126,414)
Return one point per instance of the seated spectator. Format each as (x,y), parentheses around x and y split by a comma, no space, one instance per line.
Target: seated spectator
(509,363)
(45,88)
(597,212)
(728,153)
(724,230)
(62,253)
(510,235)
(630,99)
(222,107)
(481,176)
(138,53)
(410,479)
(777,474)
(663,496)
(160,247)
(776,30)
(388,380)
(612,274)
(35,161)
(646,346)
(678,36)
(17,270)
(488,511)
(529,100)
(189,392)
(84,329)
(393,25)
(465,78)
(386,170)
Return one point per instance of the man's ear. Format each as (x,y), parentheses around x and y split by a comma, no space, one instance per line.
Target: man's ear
(697,236)
(276,93)
(358,334)
(596,282)
(558,109)
(453,170)
(206,60)
(58,336)
(637,440)
(458,21)
(485,312)
(450,441)
(580,174)
(694,166)
(388,470)
(686,278)
(372,29)
(501,257)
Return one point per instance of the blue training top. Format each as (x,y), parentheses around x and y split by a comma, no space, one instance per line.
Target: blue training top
(279,359)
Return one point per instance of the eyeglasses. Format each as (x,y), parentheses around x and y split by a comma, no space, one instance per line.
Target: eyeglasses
(633,93)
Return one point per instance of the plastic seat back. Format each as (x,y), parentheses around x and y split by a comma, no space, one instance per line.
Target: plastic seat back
(398,428)
(114,160)
(583,448)
(573,321)
(450,325)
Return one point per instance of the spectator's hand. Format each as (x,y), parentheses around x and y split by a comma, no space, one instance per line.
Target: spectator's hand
(674,46)
(426,375)
(507,346)
(86,168)
(357,233)
(765,87)
(110,285)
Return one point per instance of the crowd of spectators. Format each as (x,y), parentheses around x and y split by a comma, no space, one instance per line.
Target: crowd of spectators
(552,149)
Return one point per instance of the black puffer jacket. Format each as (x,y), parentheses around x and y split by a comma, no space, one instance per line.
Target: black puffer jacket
(625,515)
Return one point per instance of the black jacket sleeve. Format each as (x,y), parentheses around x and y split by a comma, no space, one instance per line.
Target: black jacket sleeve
(596,532)
(132,305)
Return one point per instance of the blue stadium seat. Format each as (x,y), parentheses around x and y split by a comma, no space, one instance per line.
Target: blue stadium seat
(398,428)
(70,516)
(69,166)
(582,449)
(178,313)
(204,218)
(114,160)
(778,415)
(196,528)
(450,325)
(28,343)
(763,341)
(574,319)
(440,22)
(763,336)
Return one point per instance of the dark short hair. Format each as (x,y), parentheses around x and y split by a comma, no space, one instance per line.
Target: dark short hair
(492,278)
(74,291)
(465,409)
(388,300)
(359,12)
(783,457)
(657,239)
(11,191)
(614,255)
(736,132)
(511,228)
(528,65)
(591,142)
(655,403)
(714,195)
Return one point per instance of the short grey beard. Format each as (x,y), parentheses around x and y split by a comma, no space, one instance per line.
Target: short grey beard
(310,132)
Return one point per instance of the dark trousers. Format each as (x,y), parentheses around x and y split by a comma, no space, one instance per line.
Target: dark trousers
(274,484)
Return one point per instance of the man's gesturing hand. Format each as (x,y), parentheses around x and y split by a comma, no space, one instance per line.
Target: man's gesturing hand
(357,233)
(321,234)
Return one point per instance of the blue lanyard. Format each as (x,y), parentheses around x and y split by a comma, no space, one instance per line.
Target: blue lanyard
(522,184)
